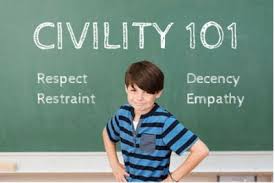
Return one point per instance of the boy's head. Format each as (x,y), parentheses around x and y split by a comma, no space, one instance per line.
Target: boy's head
(143,84)
(146,76)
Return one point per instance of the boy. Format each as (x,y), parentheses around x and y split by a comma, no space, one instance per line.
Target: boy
(148,133)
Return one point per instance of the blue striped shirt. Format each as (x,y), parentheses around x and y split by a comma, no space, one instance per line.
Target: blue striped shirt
(146,151)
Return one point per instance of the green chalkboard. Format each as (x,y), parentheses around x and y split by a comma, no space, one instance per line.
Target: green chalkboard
(62,66)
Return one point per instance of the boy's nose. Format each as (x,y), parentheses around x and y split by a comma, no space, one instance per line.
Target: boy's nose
(140,96)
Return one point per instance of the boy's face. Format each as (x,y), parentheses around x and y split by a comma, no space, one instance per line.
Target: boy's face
(142,101)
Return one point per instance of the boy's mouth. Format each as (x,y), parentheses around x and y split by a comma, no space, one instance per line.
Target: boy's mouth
(139,104)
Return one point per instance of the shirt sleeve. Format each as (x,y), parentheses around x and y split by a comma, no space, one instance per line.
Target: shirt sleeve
(113,129)
(178,138)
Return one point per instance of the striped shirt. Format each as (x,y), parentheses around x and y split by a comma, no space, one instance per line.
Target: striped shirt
(146,151)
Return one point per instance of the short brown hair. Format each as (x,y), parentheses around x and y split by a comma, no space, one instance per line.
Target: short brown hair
(146,75)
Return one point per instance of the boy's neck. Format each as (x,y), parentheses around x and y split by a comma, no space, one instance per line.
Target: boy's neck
(138,113)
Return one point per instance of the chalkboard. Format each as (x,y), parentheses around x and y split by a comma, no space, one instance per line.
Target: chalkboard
(62,66)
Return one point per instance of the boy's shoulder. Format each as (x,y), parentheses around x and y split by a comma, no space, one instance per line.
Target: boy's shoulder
(164,115)
(124,109)
(162,111)
(125,106)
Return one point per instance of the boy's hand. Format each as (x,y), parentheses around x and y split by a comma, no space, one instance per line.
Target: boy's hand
(120,173)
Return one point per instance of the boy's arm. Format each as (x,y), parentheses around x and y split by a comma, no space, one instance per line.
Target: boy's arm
(197,153)
(117,168)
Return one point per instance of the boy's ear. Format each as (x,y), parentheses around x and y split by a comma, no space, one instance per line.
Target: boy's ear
(125,88)
(159,94)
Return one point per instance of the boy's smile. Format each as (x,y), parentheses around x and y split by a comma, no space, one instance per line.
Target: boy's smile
(142,101)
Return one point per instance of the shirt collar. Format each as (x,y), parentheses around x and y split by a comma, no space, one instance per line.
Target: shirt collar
(147,114)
